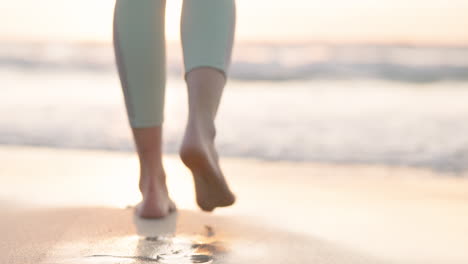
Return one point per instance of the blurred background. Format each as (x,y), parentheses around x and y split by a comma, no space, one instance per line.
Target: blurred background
(340,81)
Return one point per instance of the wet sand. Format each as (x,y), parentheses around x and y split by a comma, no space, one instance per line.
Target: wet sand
(68,206)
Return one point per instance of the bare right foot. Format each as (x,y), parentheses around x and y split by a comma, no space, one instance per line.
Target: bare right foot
(199,154)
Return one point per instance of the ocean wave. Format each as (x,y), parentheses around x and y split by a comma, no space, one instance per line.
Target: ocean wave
(418,124)
(268,62)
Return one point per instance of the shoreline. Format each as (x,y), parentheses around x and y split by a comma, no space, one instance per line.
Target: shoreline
(437,172)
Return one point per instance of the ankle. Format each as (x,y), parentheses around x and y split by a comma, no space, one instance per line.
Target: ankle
(203,126)
(148,169)
(151,177)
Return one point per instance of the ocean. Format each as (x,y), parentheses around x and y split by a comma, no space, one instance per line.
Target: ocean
(399,105)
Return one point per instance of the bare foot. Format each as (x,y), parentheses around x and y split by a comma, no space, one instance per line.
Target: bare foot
(156,202)
(199,154)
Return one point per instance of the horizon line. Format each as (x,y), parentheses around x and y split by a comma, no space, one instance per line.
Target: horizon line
(251,42)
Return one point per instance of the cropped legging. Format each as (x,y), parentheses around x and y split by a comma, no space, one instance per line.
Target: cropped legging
(207,34)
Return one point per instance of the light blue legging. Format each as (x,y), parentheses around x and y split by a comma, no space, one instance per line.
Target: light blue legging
(207,34)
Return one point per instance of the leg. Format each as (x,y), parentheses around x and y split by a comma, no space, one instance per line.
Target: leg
(156,202)
(139,43)
(207,30)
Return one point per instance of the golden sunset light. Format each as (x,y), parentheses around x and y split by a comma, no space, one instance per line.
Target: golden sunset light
(416,21)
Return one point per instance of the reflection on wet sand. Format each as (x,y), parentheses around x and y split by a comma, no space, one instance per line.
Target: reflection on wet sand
(158,242)
(197,237)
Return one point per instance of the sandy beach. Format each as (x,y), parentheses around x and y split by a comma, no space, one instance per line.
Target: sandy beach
(75,206)
(341,128)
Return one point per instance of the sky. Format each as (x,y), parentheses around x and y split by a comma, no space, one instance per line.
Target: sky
(381,21)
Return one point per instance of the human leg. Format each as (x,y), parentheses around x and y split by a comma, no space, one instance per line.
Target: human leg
(139,42)
(207,33)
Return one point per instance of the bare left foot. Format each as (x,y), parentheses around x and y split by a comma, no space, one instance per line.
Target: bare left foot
(156,202)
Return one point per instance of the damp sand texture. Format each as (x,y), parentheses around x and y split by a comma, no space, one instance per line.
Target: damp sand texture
(60,209)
